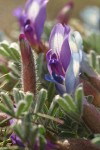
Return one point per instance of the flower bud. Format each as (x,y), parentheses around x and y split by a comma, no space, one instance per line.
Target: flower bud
(28,66)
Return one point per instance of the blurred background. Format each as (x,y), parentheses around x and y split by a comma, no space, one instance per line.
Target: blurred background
(7,7)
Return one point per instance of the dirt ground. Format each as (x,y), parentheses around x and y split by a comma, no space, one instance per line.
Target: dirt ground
(7,7)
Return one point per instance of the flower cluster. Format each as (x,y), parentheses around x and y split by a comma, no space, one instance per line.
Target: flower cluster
(32,20)
(64,58)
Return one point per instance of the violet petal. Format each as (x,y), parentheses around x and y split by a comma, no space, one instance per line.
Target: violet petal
(65,54)
(60,88)
(58,78)
(40,19)
(30,34)
(56,67)
(56,38)
(16,140)
(36,12)
(48,55)
(49,78)
(18,12)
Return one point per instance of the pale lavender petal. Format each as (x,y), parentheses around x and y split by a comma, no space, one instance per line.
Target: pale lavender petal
(37,14)
(72,74)
(56,38)
(28,3)
(67,30)
(20,15)
(40,19)
(39,22)
(48,55)
(65,54)
(79,42)
(76,43)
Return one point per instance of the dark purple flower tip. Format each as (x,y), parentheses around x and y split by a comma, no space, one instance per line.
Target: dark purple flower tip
(16,140)
(71,3)
(58,78)
(28,28)
(50,146)
(27,22)
(53,56)
(22,37)
(55,66)
(30,34)
(53,62)
(64,14)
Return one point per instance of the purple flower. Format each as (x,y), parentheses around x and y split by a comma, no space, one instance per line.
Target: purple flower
(32,19)
(17,141)
(64,58)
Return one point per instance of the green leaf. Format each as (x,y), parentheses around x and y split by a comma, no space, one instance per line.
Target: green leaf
(17,95)
(33,135)
(7,101)
(22,94)
(67,134)
(14,69)
(70,102)
(10,148)
(5,110)
(50,117)
(93,59)
(18,131)
(67,109)
(39,62)
(29,100)
(96,140)
(3,52)
(40,100)
(63,104)
(41,129)
(27,125)
(79,100)
(42,142)
(52,110)
(10,51)
(45,109)
(98,63)
(20,108)
(15,50)
(51,93)
(92,42)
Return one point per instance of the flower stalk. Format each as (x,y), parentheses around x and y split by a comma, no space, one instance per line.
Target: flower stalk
(28,66)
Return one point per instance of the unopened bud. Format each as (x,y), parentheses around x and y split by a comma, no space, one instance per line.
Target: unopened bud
(28,66)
